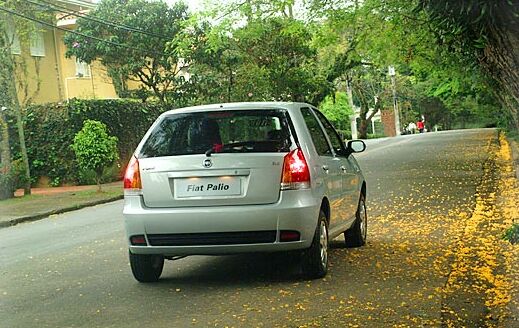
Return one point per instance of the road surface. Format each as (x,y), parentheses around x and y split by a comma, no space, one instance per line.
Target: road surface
(71,270)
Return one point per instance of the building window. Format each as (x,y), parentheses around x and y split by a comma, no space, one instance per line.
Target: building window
(82,69)
(37,45)
(13,39)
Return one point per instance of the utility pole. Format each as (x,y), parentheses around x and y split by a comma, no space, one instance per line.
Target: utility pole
(353,118)
(392,73)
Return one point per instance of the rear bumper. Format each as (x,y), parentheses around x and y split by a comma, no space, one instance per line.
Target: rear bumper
(296,210)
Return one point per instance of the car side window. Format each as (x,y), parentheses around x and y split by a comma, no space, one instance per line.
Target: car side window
(335,139)
(316,132)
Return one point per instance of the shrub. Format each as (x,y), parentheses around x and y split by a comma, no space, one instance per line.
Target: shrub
(18,173)
(50,130)
(94,148)
(110,174)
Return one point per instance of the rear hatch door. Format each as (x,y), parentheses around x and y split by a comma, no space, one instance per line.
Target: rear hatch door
(231,157)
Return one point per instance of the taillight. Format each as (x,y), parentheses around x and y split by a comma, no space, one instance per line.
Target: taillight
(289,235)
(132,177)
(296,174)
(138,240)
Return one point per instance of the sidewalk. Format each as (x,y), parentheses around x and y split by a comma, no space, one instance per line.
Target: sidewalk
(47,201)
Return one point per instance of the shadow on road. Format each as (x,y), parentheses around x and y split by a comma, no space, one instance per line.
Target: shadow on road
(242,269)
(234,270)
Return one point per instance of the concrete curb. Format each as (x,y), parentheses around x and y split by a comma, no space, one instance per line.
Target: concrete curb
(513,306)
(39,216)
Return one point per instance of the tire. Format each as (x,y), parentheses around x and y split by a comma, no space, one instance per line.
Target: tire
(357,234)
(146,268)
(315,258)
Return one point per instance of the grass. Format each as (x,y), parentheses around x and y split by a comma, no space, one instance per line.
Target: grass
(514,135)
(37,204)
(512,234)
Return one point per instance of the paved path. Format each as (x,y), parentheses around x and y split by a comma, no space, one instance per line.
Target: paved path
(59,190)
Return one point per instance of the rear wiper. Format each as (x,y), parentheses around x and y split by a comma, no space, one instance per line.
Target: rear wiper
(215,148)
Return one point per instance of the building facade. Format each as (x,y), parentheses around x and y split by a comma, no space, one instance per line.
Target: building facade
(45,64)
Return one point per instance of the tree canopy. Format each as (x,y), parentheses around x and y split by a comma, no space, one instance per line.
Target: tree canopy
(454,61)
(138,33)
(482,35)
(461,54)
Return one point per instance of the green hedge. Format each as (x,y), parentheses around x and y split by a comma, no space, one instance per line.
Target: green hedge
(50,130)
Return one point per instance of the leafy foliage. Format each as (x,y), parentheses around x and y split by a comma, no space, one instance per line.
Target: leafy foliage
(481,35)
(49,152)
(271,59)
(94,148)
(17,86)
(280,47)
(271,54)
(338,111)
(512,234)
(275,54)
(145,59)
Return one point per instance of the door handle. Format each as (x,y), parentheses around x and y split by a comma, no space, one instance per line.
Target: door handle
(325,167)
(343,168)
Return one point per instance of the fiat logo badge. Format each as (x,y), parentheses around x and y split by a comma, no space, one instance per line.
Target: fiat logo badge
(207,163)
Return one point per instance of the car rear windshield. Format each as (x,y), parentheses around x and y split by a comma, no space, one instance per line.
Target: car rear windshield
(233,131)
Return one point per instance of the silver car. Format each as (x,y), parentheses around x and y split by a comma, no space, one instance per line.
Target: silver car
(242,177)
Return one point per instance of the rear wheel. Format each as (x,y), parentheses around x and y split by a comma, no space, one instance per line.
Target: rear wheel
(146,268)
(315,258)
(357,234)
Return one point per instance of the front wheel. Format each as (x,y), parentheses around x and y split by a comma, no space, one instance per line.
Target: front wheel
(146,268)
(357,234)
(315,258)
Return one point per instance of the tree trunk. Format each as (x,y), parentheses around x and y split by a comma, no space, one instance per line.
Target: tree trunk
(7,75)
(21,135)
(509,103)
(501,57)
(349,92)
(6,183)
(290,10)
(5,150)
(365,119)
(229,86)
(99,175)
(363,126)
(119,82)
(363,129)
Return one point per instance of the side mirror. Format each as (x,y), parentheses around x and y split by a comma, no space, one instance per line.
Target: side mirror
(355,146)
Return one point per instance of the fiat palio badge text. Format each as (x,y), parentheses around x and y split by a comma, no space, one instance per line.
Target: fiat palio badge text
(208,187)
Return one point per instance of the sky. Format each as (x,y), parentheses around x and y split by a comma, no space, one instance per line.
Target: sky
(194,5)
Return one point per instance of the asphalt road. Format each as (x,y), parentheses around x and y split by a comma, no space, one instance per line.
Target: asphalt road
(71,270)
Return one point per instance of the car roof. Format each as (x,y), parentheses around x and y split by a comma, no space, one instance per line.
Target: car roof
(238,105)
